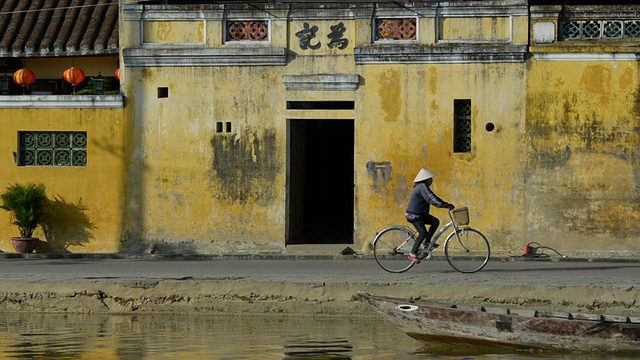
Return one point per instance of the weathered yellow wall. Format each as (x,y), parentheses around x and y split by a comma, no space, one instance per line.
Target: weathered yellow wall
(90,197)
(560,166)
(582,152)
(477,28)
(161,177)
(190,188)
(173,32)
(407,123)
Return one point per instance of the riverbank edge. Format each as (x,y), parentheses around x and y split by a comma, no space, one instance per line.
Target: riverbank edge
(611,258)
(212,296)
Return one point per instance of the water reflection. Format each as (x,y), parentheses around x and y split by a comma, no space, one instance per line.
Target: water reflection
(305,348)
(74,336)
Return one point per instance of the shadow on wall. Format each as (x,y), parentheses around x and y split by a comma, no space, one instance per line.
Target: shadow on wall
(66,224)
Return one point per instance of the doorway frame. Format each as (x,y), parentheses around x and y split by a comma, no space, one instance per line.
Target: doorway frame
(290,207)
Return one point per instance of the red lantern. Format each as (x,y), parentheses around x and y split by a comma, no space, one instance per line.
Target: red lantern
(118,74)
(73,76)
(24,77)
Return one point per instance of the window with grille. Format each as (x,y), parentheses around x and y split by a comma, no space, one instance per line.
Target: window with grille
(600,29)
(395,29)
(462,126)
(51,148)
(247,30)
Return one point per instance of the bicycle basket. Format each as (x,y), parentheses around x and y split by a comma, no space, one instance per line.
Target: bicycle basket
(461,216)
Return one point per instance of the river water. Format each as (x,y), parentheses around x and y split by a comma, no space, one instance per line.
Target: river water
(75,336)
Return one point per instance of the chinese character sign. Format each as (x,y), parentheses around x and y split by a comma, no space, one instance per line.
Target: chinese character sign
(337,31)
(306,36)
(309,38)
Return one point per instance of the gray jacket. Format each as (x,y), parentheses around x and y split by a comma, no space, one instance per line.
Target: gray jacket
(421,198)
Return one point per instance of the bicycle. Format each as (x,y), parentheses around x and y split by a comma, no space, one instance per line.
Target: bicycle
(466,249)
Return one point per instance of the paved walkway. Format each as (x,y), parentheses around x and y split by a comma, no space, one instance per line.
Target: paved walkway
(301,269)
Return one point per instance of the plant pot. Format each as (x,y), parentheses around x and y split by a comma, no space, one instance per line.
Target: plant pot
(24,245)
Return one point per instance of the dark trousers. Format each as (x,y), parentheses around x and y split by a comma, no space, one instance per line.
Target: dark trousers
(423,233)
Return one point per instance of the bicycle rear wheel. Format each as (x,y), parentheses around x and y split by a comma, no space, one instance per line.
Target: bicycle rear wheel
(468,252)
(391,248)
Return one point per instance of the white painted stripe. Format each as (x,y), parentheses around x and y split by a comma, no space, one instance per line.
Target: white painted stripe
(585,56)
(61,101)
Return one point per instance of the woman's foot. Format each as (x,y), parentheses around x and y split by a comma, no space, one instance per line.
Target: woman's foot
(413,257)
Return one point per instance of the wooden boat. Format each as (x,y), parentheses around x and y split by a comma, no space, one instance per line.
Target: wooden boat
(517,328)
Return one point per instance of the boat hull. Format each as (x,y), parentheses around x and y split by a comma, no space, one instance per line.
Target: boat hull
(518,328)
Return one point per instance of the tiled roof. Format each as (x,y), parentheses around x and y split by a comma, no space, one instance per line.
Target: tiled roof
(33,28)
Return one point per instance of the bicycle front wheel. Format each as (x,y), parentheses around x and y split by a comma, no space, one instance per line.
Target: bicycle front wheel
(468,252)
(391,248)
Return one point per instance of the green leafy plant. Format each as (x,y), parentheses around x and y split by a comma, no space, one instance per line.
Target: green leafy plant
(27,205)
(109,88)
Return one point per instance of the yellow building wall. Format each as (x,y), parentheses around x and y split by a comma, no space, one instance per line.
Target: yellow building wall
(194,186)
(88,199)
(161,175)
(197,160)
(476,28)
(582,152)
(407,124)
(173,32)
(192,189)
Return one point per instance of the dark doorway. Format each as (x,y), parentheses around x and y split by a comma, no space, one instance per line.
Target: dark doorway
(320,182)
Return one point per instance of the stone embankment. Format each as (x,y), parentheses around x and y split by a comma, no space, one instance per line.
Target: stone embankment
(229,296)
(299,287)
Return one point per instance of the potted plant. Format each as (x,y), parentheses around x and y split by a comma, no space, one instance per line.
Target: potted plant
(27,205)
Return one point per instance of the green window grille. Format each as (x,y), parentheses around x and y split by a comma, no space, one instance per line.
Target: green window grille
(52,148)
(600,29)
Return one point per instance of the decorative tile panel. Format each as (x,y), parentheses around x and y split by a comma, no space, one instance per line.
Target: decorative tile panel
(247,30)
(612,29)
(49,148)
(396,29)
(632,29)
(600,29)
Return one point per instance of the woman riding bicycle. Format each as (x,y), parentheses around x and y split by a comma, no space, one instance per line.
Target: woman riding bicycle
(417,212)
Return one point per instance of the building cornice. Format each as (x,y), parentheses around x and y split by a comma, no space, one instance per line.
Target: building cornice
(321,82)
(249,56)
(61,101)
(440,54)
(587,57)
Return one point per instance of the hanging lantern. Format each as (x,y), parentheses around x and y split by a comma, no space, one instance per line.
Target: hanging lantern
(73,76)
(24,77)
(118,74)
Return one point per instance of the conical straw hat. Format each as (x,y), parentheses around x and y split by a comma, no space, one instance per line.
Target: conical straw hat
(423,175)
